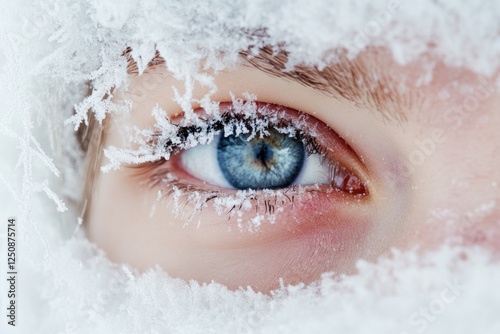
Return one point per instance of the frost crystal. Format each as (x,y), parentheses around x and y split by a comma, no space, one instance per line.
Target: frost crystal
(62,63)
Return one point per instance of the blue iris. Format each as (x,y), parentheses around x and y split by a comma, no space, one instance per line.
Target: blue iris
(270,162)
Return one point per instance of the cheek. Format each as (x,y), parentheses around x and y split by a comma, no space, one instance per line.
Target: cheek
(301,257)
(485,233)
(326,240)
(119,221)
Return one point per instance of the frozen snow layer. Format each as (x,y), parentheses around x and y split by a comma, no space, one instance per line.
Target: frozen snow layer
(449,290)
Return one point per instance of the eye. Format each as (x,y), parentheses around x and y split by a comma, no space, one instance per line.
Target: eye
(278,156)
(274,161)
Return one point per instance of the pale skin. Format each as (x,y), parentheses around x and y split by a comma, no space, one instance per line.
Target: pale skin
(432,176)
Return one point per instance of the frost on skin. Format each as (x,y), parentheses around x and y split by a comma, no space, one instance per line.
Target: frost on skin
(52,51)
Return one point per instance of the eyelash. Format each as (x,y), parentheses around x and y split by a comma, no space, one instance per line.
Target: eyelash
(214,126)
(182,192)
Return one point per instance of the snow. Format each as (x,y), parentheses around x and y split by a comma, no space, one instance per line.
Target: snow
(52,50)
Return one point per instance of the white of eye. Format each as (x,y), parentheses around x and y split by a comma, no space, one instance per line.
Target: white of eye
(316,170)
(201,162)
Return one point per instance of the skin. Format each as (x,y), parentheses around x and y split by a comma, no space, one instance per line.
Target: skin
(432,179)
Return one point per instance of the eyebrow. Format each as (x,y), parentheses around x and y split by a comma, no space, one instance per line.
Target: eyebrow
(352,80)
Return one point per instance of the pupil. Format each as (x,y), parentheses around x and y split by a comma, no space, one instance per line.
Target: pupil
(271,162)
(263,153)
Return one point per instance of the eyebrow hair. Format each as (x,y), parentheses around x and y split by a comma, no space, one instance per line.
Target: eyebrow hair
(352,80)
(132,67)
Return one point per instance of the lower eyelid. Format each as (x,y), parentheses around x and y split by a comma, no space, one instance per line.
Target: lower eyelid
(345,219)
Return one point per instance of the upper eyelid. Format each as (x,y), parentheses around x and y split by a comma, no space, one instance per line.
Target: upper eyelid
(218,125)
(307,128)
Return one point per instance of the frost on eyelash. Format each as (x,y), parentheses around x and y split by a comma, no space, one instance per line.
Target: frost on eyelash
(247,209)
(166,138)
